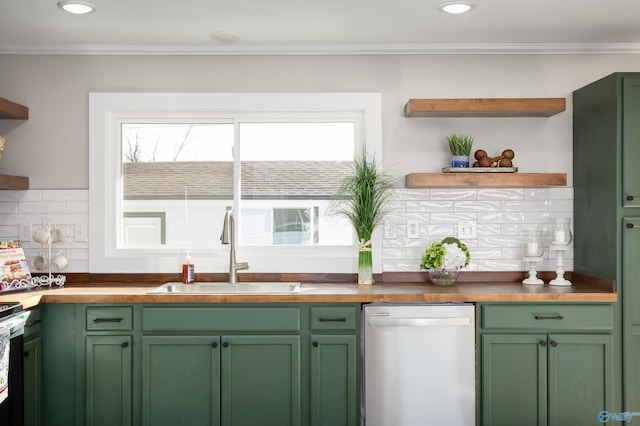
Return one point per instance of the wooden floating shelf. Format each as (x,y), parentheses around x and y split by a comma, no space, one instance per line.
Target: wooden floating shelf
(485,107)
(13,182)
(13,111)
(499,180)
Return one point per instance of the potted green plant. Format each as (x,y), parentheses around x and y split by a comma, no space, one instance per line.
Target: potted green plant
(460,147)
(362,197)
(444,259)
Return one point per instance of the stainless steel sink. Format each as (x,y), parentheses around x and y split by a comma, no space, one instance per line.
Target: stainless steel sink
(227,288)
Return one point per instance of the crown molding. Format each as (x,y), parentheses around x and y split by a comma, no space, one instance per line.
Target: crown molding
(355,49)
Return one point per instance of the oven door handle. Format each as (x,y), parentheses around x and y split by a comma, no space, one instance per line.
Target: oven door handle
(14,321)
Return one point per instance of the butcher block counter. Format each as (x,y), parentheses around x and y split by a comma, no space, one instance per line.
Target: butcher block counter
(393,287)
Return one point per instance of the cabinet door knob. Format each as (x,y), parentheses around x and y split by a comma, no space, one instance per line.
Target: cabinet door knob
(26,354)
(554,343)
(630,225)
(629,197)
(225,345)
(124,345)
(315,344)
(214,344)
(543,343)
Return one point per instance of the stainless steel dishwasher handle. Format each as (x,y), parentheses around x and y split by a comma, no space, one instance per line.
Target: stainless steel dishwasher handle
(417,322)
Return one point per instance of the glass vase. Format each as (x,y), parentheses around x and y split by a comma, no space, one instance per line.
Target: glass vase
(443,277)
(365,267)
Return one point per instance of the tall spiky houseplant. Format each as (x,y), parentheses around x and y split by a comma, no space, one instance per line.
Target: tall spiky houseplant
(362,197)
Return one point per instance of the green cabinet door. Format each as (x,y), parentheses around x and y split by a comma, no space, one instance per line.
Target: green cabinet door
(260,380)
(32,381)
(333,380)
(631,141)
(108,380)
(181,380)
(580,378)
(631,308)
(514,379)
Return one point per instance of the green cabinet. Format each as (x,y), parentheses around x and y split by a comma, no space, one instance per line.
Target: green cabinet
(334,378)
(32,352)
(631,306)
(108,365)
(334,368)
(545,364)
(220,364)
(180,380)
(606,149)
(221,380)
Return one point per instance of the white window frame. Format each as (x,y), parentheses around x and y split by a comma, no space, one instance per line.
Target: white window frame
(105,109)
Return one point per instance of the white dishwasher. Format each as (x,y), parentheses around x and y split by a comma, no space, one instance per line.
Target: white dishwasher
(419,365)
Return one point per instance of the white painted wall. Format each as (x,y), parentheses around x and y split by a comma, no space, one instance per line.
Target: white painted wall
(52,146)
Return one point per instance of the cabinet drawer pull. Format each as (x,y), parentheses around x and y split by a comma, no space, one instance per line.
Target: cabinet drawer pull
(629,197)
(124,345)
(549,317)
(102,320)
(321,319)
(554,343)
(32,323)
(543,343)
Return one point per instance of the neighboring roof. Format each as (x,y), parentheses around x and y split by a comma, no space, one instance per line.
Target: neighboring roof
(214,180)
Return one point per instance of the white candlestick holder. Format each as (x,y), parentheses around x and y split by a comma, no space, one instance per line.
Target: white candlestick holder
(533,279)
(559,280)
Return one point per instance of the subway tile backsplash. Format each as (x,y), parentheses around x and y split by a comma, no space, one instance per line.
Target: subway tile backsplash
(500,215)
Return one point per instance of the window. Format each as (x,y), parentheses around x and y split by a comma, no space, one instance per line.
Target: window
(165,167)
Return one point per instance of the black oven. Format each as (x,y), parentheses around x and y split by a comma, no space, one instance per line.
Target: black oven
(12,407)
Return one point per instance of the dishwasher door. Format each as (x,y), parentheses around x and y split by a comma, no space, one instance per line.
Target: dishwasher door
(419,365)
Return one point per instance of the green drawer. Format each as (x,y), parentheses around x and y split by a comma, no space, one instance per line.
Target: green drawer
(219,319)
(32,324)
(112,318)
(548,317)
(334,318)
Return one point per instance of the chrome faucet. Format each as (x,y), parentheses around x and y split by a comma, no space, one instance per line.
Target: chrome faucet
(229,237)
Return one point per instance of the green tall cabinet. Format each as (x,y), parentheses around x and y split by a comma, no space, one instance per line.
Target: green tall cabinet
(606,173)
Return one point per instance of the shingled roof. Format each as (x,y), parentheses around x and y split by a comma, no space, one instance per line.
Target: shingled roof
(214,179)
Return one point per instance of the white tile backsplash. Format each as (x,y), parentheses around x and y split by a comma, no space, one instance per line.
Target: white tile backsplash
(500,214)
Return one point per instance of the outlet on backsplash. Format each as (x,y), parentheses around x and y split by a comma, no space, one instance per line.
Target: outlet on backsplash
(413,229)
(389,229)
(467,229)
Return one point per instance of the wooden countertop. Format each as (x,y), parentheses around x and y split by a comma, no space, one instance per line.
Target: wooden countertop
(396,288)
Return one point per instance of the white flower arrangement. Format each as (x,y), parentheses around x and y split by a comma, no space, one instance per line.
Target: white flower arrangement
(449,253)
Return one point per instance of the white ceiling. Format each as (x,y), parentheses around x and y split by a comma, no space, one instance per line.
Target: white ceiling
(329,26)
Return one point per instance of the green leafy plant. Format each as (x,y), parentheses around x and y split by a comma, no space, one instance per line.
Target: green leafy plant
(449,253)
(362,197)
(460,145)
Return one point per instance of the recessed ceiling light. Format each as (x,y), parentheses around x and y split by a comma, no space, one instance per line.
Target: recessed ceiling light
(456,8)
(76,7)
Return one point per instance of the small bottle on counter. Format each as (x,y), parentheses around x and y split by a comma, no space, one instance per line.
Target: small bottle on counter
(188,270)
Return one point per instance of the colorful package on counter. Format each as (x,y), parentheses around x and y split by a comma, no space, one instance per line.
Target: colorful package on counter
(15,269)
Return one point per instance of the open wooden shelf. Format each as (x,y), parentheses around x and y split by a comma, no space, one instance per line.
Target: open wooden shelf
(13,182)
(485,107)
(12,110)
(501,180)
